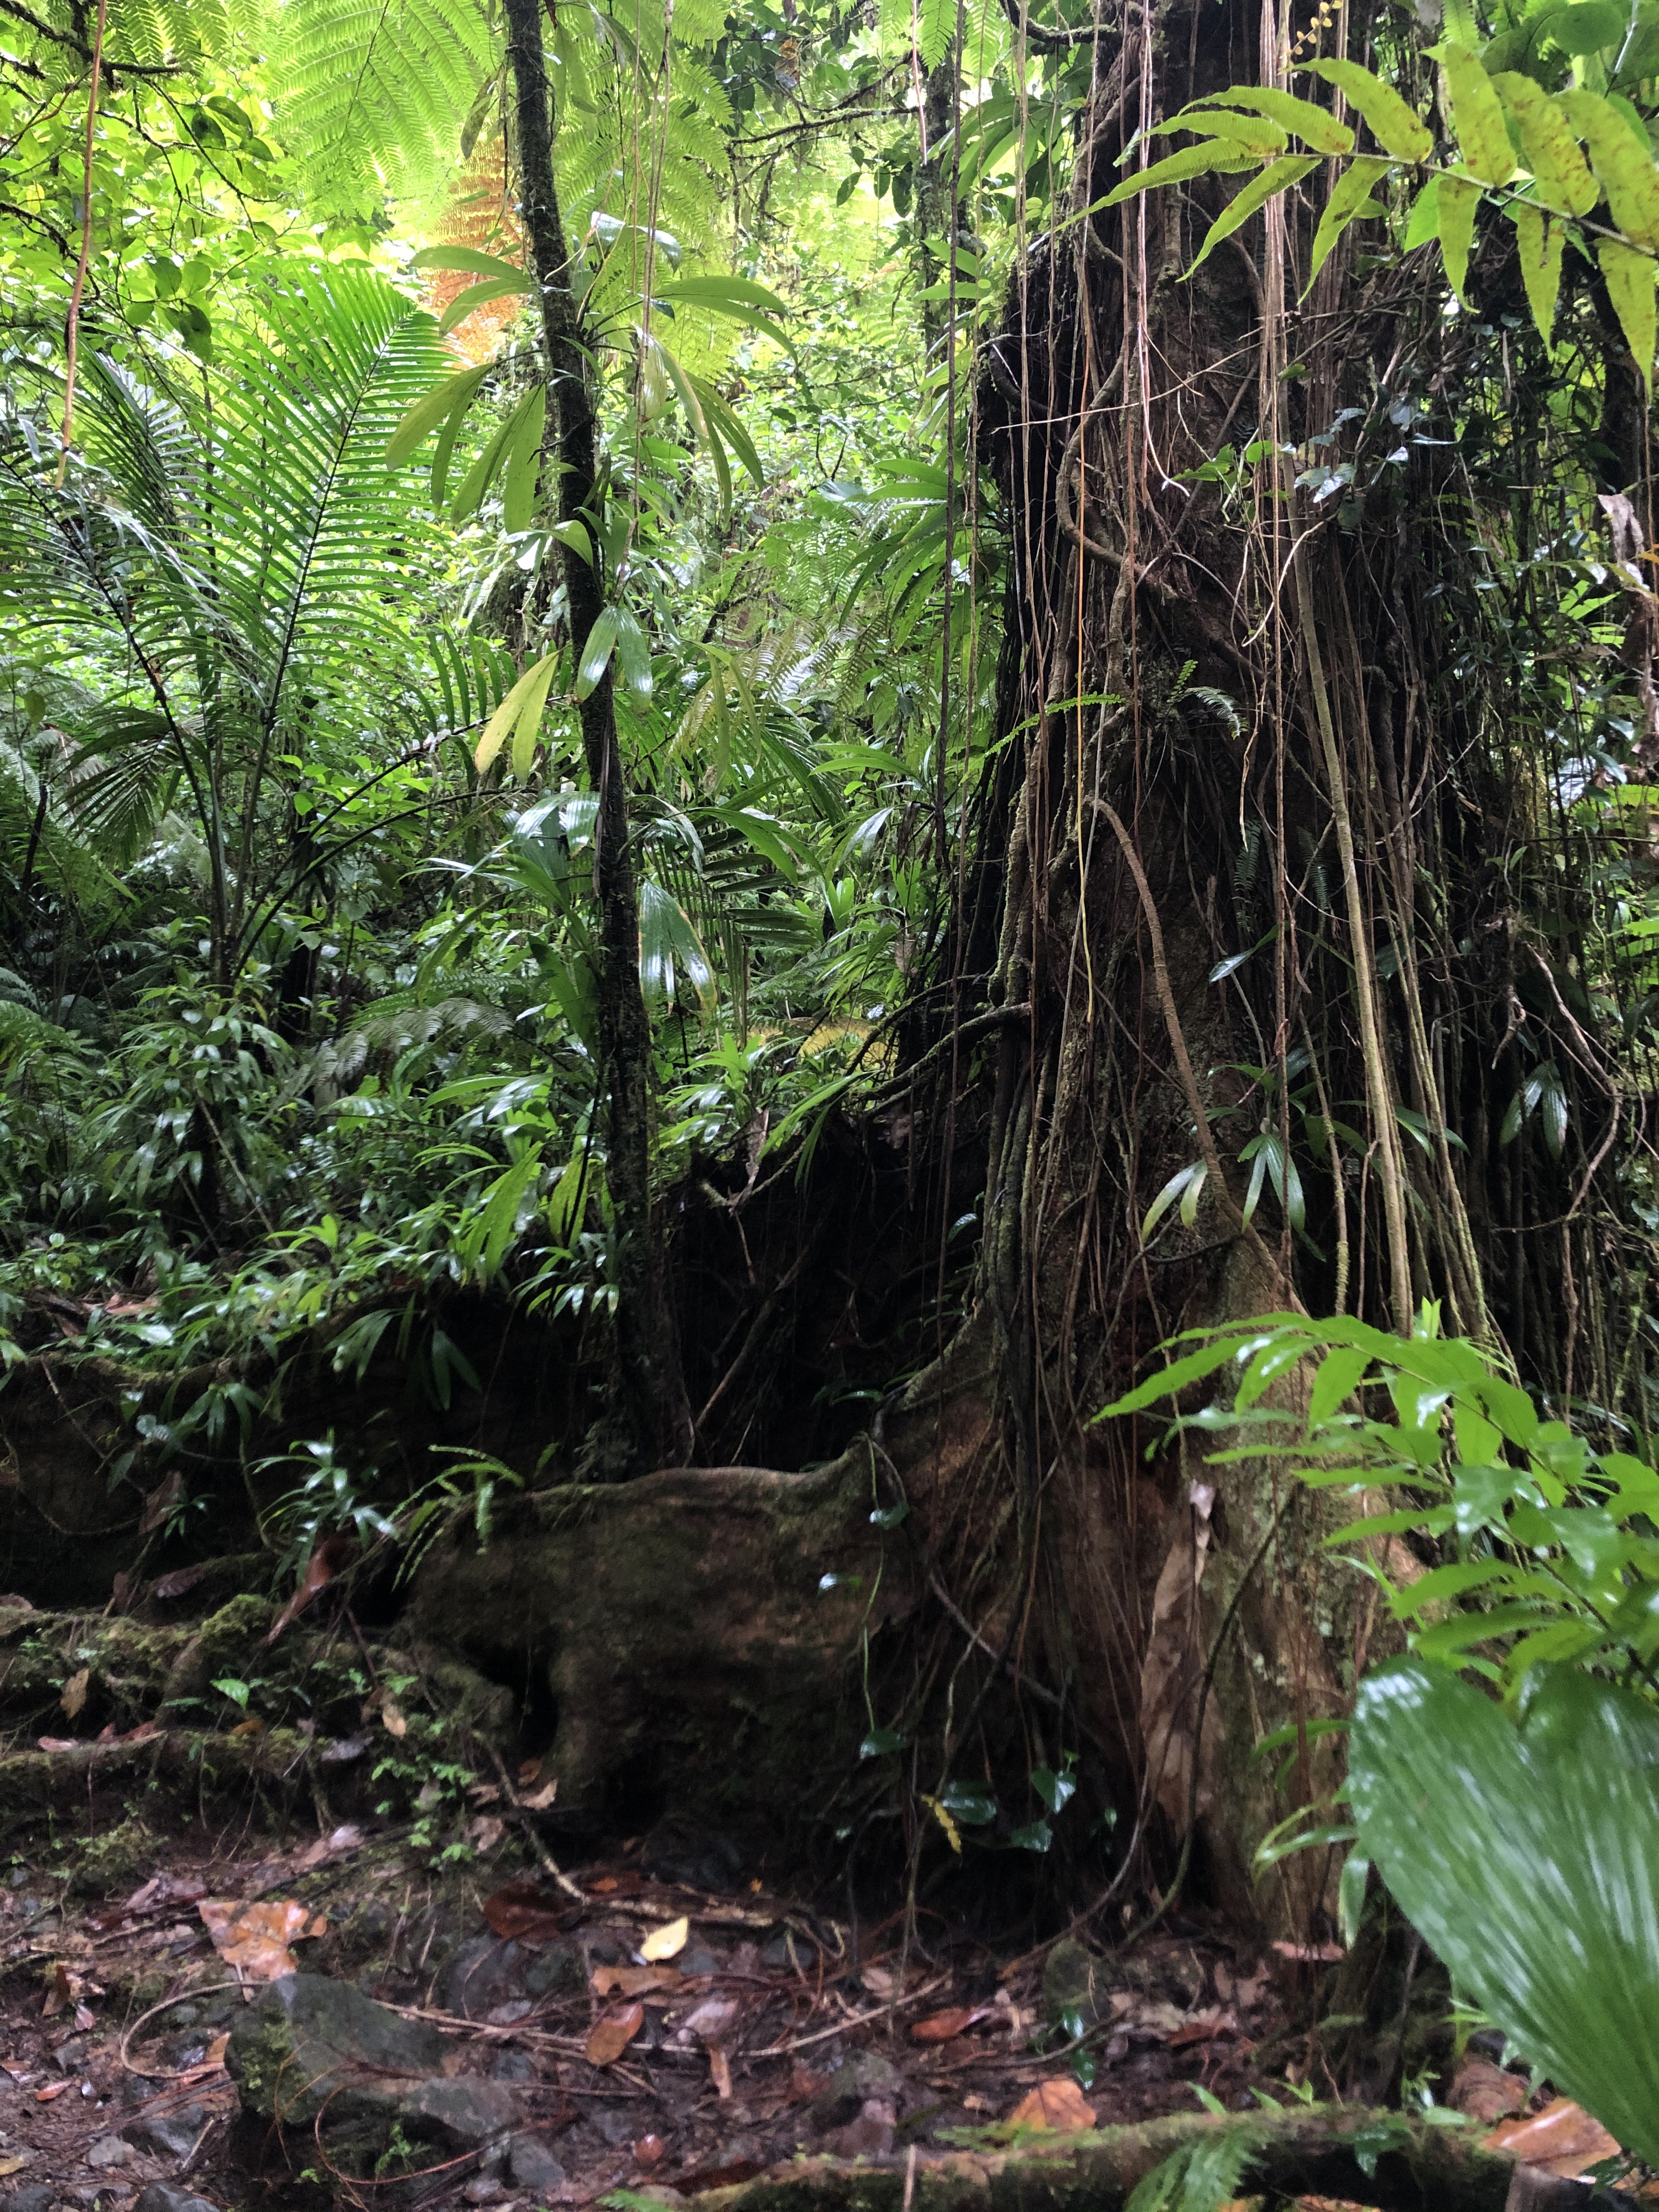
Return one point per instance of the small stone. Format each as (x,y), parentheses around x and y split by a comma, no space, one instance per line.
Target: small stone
(869,2135)
(34,2197)
(615,2126)
(160,2198)
(532,2164)
(109,2150)
(169,2133)
(482,2189)
(513,2066)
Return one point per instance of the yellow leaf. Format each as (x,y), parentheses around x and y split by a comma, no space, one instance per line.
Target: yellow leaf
(74,1692)
(12,2166)
(1622,164)
(1457,200)
(1541,242)
(1398,129)
(1350,200)
(953,1834)
(522,709)
(1277,177)
(1562,172)
(1482,134)
(1629,277)
(666,1941)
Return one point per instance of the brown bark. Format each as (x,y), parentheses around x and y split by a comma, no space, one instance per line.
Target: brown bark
(646,1420)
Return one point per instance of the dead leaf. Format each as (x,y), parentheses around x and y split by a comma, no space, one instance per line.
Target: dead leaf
(945,2026)
(1486,2092)
(1562,2140)
(611,2036)
(159,1501)
(52,2089)
(605,1885)
(12,2165)
(176,1584)
(648,2150)
(484,1833)
(254,1939)
(252,1726)
(634,1981)
(84,2019)
(524,1913)
(1203,2027)
(1310,1954)
(484,1793)
(666,1941)
(708,2021)
(58,1742)
(330,1556)
(542,1800)
(1173,1669)
(392,1715)
(529,1771)
(881,1981)
(74,1692)
(719,2071)
(1058,2105)
(60,1991)
(334,1845)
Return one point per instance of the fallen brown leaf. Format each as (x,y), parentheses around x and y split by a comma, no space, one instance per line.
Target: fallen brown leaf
(84,2019)
(1486,2092)
(530,1771)
(252,1726)
(945,2026)
(12,2166)
(634,1981)
(1310,1954)
(1203,2027)
(60,1991)
(333,1555)
(176,1584)
(720,2070)
(75,1692)
(611,2036)
(159,1501)
(485,1832)
(58,1742)
(334,1845)
(542,1800)
(666,1941)
(392,1715)
(52,2089)
(1059,2104)
(1562,2140)
(254,1939)
(522,1913)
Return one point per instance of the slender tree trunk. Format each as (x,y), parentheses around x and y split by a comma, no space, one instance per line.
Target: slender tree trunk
(645,1421)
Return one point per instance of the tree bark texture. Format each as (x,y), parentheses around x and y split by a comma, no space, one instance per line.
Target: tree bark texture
(647,1420)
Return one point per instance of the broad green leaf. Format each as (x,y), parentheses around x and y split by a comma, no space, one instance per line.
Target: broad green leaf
(671,952)
(1562,173)
(1175,168)
(522,709)
(1176,1188)
(1423,223)
(478,295)
(1587,27)
(1192,1367)
(1528,1858)
(1456,201)
(1350,199)
(1340,1372)
(727,422)
(633,653)
(1629,277)
(1541,242)
(574,535)
(1277,177)
(473,263)
(1624,168)
(596,653)
(1314,127)
(1483,135)
(429,411)
(1257,132)
(1351,1896)
(482,474)
(1397,128)
(523,464)
(736,297)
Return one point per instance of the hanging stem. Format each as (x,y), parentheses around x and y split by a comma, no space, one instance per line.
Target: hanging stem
(77,293)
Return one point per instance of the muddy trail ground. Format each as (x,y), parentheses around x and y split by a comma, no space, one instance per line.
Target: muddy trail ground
(258,1966)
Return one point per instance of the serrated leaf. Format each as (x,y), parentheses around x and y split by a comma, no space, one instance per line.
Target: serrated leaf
(476,297)
(1314,127)
(1623,167)
(1483,135)
(596,652)
(1456,202)
(1277,177)
(1396,127)
(1562,173)
(1540,241)
(1629,278)
(470,262)
(1350,198)
(1528,1858)
(1175,168)
(428,411)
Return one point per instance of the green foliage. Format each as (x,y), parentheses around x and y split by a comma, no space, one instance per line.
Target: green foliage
(1528,1853)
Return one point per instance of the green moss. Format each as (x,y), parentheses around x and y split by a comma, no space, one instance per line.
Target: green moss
(115,1860)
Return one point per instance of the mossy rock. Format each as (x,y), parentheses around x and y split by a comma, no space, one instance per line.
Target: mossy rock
(115,1860)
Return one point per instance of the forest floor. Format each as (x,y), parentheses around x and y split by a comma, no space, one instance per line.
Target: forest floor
(652,2033)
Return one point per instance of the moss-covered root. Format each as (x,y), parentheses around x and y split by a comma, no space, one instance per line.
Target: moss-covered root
(1413,2168)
